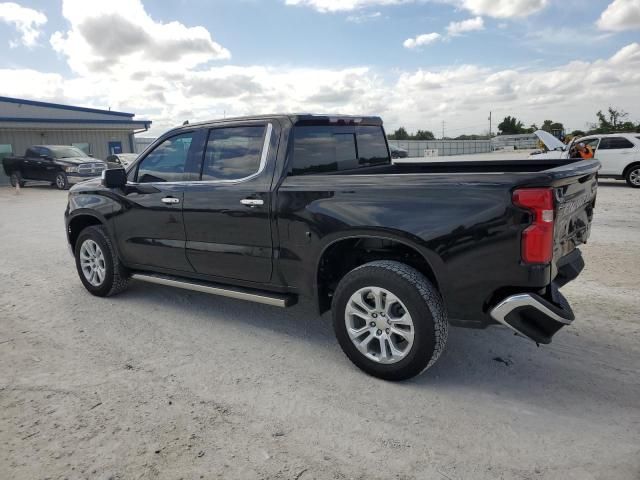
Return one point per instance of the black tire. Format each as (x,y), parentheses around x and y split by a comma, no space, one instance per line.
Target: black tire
(116,278)
(423,303)
(61,182)
(632,176)
(16,179)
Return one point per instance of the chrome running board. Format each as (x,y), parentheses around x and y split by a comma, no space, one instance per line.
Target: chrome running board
(272,299)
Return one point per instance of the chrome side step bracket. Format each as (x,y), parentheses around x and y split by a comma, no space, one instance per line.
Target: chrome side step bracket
(266,298)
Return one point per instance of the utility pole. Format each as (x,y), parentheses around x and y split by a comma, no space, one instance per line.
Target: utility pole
(489,125)
(443,129)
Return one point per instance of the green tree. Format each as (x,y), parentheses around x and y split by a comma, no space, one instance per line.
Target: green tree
(555,128)
(472,137)
(399,134)
(424,135)
(511,126)
(612,121)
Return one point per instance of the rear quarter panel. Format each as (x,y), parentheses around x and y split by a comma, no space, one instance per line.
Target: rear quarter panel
(466,228)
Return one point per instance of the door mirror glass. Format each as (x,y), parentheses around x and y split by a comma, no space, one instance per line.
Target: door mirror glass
(114,178)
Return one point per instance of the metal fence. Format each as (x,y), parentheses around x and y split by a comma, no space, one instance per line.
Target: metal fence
(518,142)
(416,148)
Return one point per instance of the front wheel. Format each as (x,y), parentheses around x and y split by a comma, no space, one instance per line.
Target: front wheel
(633,176)
(389,320)
(98,264)
(61,182)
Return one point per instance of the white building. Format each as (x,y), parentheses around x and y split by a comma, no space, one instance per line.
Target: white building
(98,132)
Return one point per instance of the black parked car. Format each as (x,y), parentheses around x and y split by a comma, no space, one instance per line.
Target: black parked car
(397,152)
(274,208)
(62,165)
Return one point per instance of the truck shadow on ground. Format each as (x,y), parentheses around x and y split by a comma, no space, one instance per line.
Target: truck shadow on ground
(613,183)
(577,369)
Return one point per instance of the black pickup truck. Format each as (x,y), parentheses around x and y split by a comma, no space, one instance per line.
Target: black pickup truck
(61,165)
(273,208)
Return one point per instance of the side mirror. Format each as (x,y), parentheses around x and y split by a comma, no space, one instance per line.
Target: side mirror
(114,178)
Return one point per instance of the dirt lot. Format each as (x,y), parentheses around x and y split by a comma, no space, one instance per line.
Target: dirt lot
(161,383)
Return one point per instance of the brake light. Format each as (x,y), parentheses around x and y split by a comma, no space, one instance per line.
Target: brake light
(537,238)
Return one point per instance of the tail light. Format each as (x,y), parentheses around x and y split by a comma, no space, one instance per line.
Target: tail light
(537,238)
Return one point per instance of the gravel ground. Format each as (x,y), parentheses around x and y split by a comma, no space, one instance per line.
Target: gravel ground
(163,383)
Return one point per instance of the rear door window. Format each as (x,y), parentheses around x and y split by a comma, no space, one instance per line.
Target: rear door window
(323,149)
(615,143)
(233,153)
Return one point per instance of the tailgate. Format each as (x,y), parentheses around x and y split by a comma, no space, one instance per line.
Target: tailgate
(575,200)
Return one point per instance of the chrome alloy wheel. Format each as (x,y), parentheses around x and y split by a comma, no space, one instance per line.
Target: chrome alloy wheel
(379,325)
(634,176)
(60,181)
(92,262)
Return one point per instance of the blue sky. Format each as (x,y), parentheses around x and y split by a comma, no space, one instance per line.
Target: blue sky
(354,50)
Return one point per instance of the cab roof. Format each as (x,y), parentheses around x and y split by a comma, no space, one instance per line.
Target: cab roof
(299,119)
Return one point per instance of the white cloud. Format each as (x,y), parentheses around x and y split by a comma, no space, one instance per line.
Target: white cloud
(120,36)
(461,95)
(490,8)
(421,40)
(343,5)
(183,82)
(458,28)
(365,17)
(502,8)
(26,20)
(453,30)
(620,15)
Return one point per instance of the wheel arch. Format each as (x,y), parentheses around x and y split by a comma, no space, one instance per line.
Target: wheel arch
(364,248)
(635,163)
(79,222)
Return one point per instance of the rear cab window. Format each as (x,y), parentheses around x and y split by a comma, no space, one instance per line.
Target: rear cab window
(328,149)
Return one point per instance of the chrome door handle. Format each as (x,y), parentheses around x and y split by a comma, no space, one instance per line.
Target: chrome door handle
(170,200)
(252,202)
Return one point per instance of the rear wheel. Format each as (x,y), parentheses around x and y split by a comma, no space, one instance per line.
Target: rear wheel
(61,182)
(389,320)
(16,179)
(98,264)
(632,176)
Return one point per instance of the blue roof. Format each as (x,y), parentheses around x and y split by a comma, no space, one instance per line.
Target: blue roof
(59,106)
(124,121)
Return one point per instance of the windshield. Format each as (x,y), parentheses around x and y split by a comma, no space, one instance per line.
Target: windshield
(67,152)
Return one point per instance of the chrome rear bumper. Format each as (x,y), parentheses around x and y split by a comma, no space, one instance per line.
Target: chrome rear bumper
(533,316)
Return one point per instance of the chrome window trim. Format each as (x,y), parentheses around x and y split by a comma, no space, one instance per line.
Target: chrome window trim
(266,147)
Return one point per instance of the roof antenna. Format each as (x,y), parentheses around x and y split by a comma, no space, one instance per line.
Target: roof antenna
(186,122)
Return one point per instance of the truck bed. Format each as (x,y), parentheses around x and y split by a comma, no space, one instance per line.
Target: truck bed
(476,166)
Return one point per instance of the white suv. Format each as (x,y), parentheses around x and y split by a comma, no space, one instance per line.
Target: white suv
(619,154)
